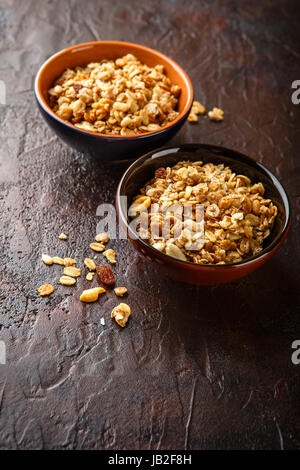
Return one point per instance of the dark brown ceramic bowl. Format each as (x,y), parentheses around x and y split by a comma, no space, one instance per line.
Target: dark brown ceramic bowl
(105,147)
(142,171)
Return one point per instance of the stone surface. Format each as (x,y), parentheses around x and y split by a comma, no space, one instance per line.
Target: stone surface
(196,368)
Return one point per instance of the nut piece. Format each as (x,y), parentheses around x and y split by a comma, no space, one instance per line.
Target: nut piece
(216,115)
(175,252)
(121,314)
(120,291)
(90,276)
(90,264)
(69,261)
(71,271)
(58,260)
(110,255)
(45,289)
(105,274)
(67,281)
(97,246)
(47,259)
(63,236)
(91,295)
(102,237)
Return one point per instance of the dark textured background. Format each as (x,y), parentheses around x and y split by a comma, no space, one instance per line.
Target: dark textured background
(206,367)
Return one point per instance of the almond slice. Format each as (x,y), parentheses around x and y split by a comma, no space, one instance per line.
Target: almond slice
(91,295)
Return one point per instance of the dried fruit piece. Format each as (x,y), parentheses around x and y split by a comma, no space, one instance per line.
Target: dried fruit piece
(67,281)
(97,246)
(121,314)
(216,115)
(90,264)
(69,261)
(89,276)
(58,260)
(47,259)
(105,274)
(91,295)
(110,255)
(102,237)
(63,236)
(71,271)
(120,291)
(161,173)
(45,289)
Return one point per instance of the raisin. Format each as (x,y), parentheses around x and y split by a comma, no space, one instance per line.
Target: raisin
(77,87)
(161,173)
(105,274)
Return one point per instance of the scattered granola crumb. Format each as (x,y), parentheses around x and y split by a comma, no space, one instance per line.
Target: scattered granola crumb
(71,271)
(102,237)
(58,260)
(90,276)
(97,246)
(47,259)
(69,261)
(67,281)
(90,264)
(102,321)
(45,289)
(63,236)
(91,295)
(121,314)
(197,108)
(110,255)
(216,115)
(120,291)
(192,117)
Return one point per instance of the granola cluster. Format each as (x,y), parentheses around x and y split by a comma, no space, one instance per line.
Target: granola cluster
(236,217)
(115,97)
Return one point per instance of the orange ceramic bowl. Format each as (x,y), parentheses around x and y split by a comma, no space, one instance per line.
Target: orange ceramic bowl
(143,170)
(103,146)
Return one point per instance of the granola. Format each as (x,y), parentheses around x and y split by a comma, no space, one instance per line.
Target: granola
(236,216)
(116,97)
(121,314)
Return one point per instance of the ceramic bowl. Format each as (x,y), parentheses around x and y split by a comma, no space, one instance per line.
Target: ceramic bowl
(142,170)
(105,147)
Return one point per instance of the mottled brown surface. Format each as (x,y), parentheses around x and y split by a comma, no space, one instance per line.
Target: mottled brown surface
(196,368)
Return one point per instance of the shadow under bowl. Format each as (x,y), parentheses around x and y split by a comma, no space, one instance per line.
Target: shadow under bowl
(142,170)
(106,147)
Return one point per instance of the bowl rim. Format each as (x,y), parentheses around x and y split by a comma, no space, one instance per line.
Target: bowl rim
(186,147)
(86,45)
